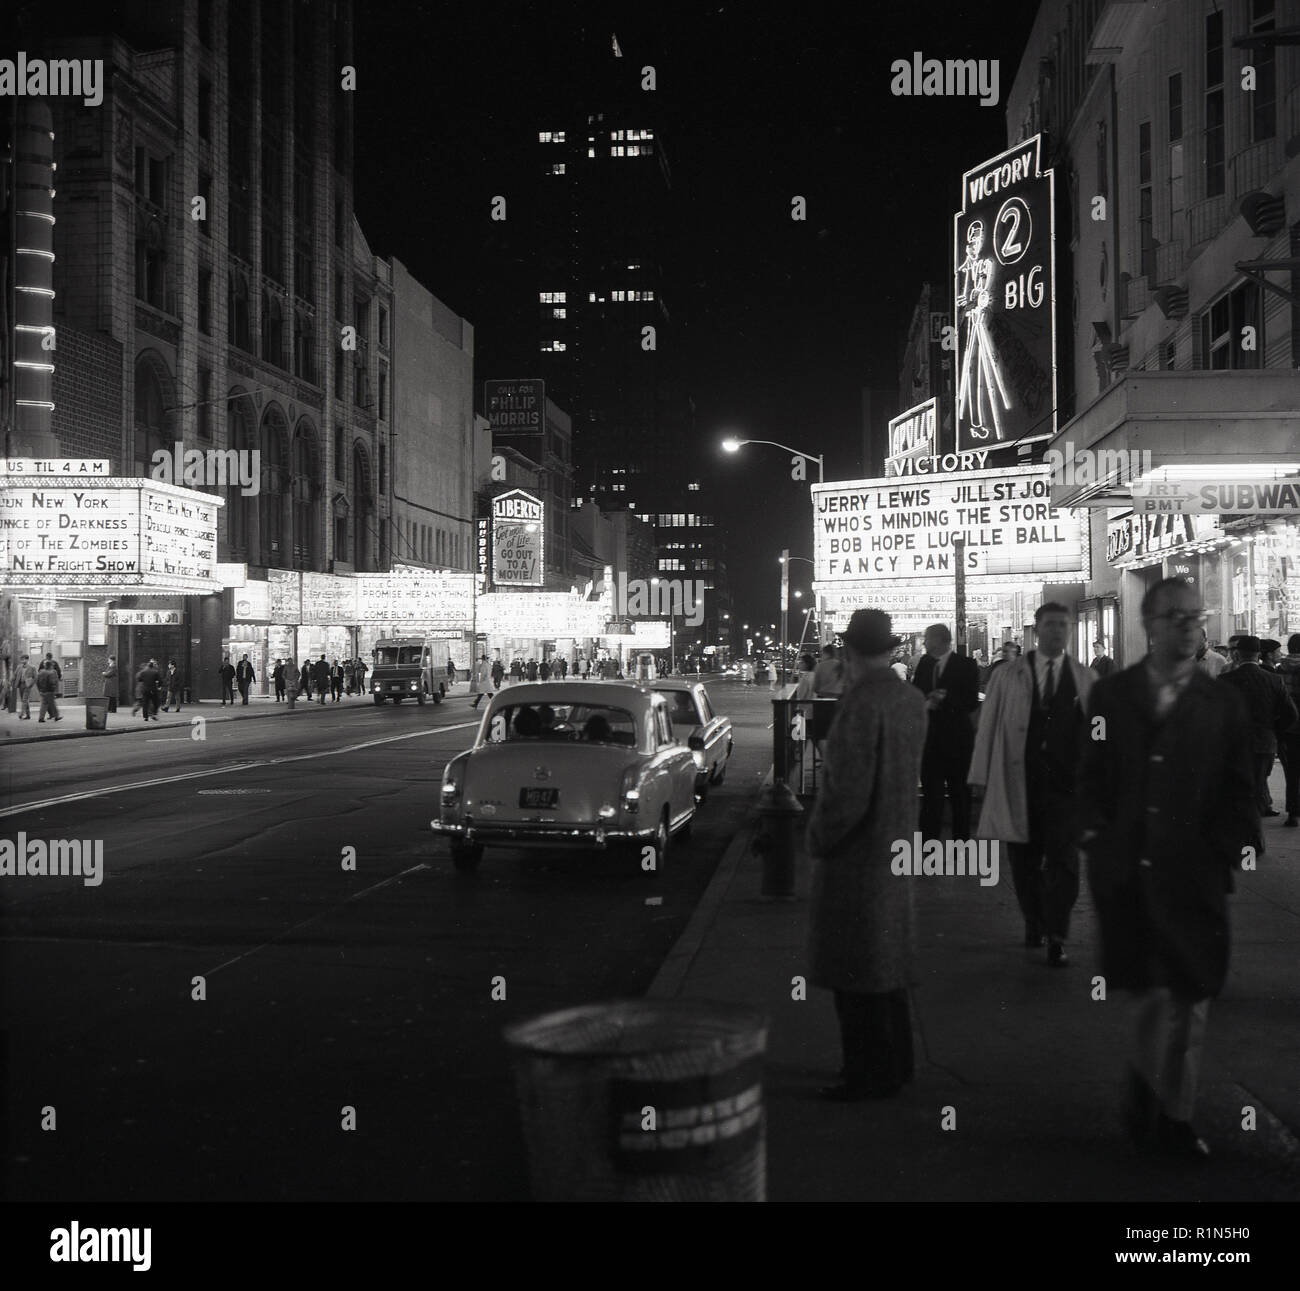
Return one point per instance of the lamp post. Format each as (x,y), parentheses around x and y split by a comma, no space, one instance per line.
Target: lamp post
(672,633)
(735,445)
(785,559)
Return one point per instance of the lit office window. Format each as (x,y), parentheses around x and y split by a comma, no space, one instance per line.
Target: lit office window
(558,168)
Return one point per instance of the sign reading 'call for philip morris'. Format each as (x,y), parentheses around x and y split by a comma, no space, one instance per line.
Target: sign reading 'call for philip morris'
(518,534)
(516,411)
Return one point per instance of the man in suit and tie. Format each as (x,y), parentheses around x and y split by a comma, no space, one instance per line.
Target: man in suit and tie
(1269,710)
(950,684)
(1030,741)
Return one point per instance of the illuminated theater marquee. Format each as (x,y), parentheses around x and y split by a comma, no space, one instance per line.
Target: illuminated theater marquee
(108,533)
(1005,294)
(887,530)
(518,535)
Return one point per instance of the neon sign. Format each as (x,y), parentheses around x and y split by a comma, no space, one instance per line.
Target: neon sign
(1005,293)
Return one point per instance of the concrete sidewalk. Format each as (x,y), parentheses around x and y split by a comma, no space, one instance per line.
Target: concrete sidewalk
(1018,1057)
(73,713)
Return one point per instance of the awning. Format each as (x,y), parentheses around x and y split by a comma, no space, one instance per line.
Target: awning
(1241,425)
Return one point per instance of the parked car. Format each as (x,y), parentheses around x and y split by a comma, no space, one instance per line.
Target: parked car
(703,731)
(569,765)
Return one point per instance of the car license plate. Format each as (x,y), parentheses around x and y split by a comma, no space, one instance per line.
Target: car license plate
(539,797)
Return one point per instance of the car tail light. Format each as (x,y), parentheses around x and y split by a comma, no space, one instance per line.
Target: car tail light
(630,792)
(453,783)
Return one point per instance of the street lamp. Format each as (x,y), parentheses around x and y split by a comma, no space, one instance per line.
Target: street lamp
(735,445)
(672,634)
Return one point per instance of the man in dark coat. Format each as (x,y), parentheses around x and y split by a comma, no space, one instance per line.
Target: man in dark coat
(321,678)
(146,681)
(244,678)
(173,683)
(860,938)
(1102,664)
(47,686)
(336,682)
(1269,710)
(951,686)
(227,675)
(277,676)
(304,677)
(1167,811)
(1289,740)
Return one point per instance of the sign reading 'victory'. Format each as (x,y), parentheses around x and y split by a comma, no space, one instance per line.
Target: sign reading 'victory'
(1005,293)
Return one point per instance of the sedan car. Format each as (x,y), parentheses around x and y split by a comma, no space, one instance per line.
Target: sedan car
(701,729)
(571,764)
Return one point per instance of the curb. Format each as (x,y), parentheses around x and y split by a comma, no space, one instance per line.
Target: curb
(275,711)
(677,965)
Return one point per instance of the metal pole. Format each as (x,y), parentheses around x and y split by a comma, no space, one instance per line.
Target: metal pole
(959,555)
(785,605)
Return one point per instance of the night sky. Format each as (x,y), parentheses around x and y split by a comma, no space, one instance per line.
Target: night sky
(782,323)
(777,324)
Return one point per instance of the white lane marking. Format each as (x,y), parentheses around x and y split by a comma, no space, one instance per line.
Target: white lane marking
(374,887)
(239,766)
(169,739)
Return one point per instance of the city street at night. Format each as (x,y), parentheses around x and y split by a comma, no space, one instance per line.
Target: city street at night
(646,604)
(325,987)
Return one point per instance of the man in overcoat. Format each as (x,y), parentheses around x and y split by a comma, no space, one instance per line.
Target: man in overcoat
(1027,750)
(860,941)
(1167,811)
(950,683)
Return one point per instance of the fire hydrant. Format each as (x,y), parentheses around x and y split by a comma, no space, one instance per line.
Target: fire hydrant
(776,840)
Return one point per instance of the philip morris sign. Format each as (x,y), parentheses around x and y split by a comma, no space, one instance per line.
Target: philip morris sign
(516,411)
(1005,294)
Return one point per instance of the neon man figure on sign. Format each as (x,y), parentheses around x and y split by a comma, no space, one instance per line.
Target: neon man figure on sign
(979,385)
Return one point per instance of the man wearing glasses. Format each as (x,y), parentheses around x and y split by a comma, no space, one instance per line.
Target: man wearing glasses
(1167,811)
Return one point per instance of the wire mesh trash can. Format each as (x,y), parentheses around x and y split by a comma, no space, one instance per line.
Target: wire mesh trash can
(96,714)
(641,1100)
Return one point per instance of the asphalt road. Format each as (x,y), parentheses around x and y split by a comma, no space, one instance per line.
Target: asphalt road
(325,987)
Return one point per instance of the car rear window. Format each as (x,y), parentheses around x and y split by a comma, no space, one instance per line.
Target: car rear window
(681,707)
(562,723)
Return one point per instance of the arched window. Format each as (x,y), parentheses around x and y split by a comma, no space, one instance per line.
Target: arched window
(274,485)
(240,510)
(306,486)
(272,328)
(239,324)
(153,423)
(362,510)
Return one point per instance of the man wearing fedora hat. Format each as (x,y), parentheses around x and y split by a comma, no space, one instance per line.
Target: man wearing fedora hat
(860,940)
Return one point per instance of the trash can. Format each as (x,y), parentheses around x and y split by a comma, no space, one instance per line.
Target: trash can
(642,1100)
(96,714)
